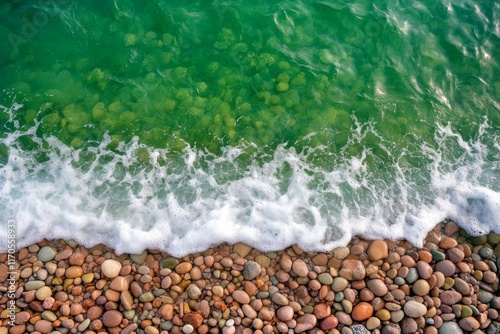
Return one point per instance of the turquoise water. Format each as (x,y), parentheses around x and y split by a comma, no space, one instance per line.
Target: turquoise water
(178,125)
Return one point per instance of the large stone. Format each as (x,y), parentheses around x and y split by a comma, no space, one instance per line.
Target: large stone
(446,267)
(362,311)
(299,267)
(241,296)
(450,328)
(119,283)
(378,287)
(414,309)
(111,268)
(377,250)
(46,254)
(450,297)
(251,270)
(305,323)
(285,313)
(353,270)
(193,318)
(112,318)
(469,324)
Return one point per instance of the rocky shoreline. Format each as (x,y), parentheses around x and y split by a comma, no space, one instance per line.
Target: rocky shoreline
(449,286)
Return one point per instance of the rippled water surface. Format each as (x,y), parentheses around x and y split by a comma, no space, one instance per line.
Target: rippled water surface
(182,124)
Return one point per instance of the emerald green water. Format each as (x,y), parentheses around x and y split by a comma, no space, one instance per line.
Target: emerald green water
(375,100)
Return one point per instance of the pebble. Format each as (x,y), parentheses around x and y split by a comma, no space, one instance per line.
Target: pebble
(325,278)
(362,311)
(339,284)
(285,313)
(299,267)
(277,298)
(111,268)
(341,253)
(461,286)
(414,309)
(119,283)
(305,323)
(450,297)
(43,326)
(377,250)
(450,328)
(183,268)
(446,267)
(421,287)
(46,254)
(353,270)
(377,287)
(409,326)
(424,270)
(251,270)
(241,297)
(43,293)
(33,285)
(329,322)
(112,318)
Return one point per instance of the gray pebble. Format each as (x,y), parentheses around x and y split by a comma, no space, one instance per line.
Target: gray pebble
(251,270)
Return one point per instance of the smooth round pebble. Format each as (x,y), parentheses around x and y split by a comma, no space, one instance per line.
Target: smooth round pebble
(111,268)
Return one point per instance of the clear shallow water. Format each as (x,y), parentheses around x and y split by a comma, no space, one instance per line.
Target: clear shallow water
(179,126)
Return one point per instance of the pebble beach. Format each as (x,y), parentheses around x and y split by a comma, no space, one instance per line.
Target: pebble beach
(448,286)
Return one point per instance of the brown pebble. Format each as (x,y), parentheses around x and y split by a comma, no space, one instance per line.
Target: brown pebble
(377,250)
(183,268)
(352,270)
(112,318)
(362,311)
(241,297)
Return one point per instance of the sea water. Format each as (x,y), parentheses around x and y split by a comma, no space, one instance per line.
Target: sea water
(178,125)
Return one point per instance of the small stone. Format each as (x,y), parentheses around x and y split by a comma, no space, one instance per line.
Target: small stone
(183,268)
(450,297)
(46,254)
(446,267)
(469,324)
(484,296)
(409,326)
(285,313)
(241,297)
(74,272)
(325,278)
(455,255)
(487,253)
(341,253)
(170,263)
(112,318)
(391,329)
(339,284)
(412,275)
(187,329)
(383,314)
(33,285)
(377,250)
(43,326)
(146,297)
(166,311)
(362,311)
(193,291)
(424,270)
(421,287)
(251,270)
(372,323)
(218,291)
(263,261)
(414,309)
(461,286)
(353,270)
(359,329)
(322,311)
(450,328)
(151,330)
(195,319)
(111,268)
(242,249)
(126,300)
(43,293)
(305,323)
(279,299)
(378,287)
(437,255)
(299,267)
(119,283)
(329,323)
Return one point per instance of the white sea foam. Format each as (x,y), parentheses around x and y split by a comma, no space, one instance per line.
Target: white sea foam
(188,202)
